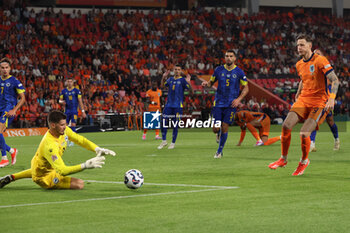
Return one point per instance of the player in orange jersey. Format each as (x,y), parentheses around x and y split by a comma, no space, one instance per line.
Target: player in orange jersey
(253,120)
(153,96)
(312,104)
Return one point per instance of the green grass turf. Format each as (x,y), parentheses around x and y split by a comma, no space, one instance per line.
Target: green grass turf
(266,200)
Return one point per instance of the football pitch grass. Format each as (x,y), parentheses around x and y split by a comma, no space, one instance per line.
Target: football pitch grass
(186,189)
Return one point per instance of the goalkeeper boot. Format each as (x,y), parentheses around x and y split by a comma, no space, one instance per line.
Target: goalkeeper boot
(5,180)
(279,163)
(162,145)
(143,136)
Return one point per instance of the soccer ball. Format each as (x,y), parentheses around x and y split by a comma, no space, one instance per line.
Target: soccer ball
(133,179)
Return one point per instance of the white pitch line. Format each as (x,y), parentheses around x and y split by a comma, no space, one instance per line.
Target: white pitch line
(109,198)
(175,185)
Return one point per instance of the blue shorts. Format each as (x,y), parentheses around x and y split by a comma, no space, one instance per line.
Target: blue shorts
(329,114)
(224,114)
(5,119)
(171,113)
(71,117)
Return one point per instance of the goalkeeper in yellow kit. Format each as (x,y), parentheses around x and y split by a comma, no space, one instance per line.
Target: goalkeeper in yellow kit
(47,167)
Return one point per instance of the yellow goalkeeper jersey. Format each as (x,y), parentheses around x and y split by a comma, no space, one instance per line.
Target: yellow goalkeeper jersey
(48,157)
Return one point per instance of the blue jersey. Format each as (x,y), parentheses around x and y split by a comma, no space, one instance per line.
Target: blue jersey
(10,88)
(71,99)
(176,89)
(228,84)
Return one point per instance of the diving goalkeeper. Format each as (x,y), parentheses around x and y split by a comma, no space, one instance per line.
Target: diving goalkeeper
(47,167)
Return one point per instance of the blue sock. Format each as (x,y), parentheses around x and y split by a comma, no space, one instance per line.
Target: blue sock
(73,128)
(313,136)
(334,130)
(223,139)
(164,130)
(2,145)
(175,130)
(8,148)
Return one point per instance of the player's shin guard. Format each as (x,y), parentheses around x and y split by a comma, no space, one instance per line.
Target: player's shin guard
(334,130)
(305,147)
(23,174)
(222,142)
(313,136)
(272,140)
(285,141)
(175,131)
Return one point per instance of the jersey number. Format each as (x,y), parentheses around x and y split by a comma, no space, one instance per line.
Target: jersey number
(2,90)
(70,97)
(227,82)
(174,87)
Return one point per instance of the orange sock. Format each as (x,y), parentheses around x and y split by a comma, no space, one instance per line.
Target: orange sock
(285,141)
(144,131)
(272,140)
(157,132)
(253,131)
(305,147)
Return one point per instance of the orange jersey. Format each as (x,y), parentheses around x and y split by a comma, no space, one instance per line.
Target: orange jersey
(246,116)
(313,74)
(154,96)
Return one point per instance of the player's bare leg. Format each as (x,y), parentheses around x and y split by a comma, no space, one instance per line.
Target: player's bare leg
(287,126)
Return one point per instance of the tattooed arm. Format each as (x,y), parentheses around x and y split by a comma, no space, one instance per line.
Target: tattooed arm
(332,77)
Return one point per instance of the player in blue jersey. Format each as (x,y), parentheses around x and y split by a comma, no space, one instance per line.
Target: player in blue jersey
(173,107)
(330,122)
(11,88)
(227,97)
(71,97)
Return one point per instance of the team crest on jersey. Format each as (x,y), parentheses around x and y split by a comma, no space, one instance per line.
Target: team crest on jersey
(312,68)
(158,94)
(234,76)
(66,138)
(8,84)
(55,180)
(54,158)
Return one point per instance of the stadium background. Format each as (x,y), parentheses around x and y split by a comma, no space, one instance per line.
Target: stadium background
(115,48)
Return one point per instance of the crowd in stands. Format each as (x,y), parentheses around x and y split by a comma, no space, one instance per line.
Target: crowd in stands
(114,55)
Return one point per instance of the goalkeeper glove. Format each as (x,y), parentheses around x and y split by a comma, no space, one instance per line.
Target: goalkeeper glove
(103,151)
(95,162)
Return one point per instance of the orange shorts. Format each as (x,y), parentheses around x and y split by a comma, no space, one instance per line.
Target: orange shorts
(154,109)
(306,110)
(264,130)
